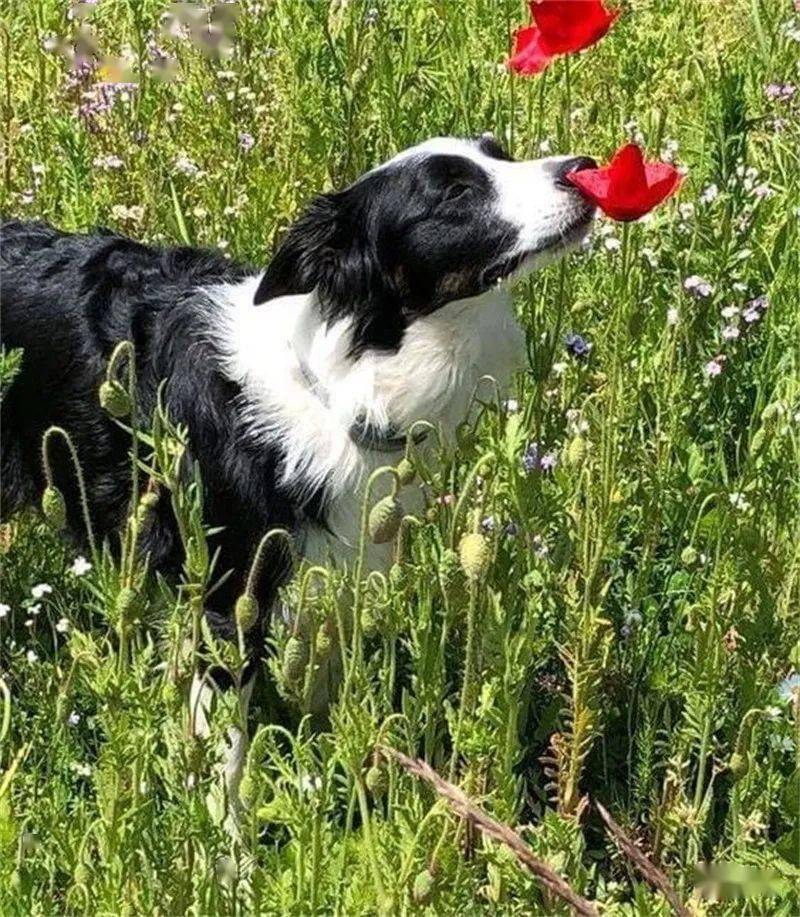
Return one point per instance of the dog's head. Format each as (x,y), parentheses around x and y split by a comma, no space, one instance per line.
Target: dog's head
(442,221)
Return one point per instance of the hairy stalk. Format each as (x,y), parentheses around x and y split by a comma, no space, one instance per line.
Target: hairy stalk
(77,468)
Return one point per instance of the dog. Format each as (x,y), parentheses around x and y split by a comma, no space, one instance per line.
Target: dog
(384,304)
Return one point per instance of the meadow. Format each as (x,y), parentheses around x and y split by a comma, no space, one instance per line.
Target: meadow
(626,639)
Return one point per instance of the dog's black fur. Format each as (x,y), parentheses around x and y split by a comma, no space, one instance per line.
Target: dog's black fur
(67,300)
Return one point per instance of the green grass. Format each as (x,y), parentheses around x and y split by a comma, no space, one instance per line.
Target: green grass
(626,645)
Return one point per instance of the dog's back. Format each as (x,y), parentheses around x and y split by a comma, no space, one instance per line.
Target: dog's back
(67,300)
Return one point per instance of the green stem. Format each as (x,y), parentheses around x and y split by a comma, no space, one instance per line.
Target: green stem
(48,473)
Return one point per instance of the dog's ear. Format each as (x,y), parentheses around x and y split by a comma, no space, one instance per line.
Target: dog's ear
(302,257)
(333,248)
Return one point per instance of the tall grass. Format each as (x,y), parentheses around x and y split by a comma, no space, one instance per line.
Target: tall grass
(621,627)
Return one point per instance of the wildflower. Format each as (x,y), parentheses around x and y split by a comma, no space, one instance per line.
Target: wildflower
(107,162)
(511,406)
(81,769)
(772,91)
(698,287)
(577,346)
(729,311)
(27,197)
(40,590)
(62,625)
(371,16)
(548,461)
(628,187)
(714,367)
(760,302)
(739,501)
(671,147)
(74,718)
(4,610)
(686,211)
(751,315)
(576,424)
(186,166)
(487,524)
(511,529)
(559,368)
(31,657)
(539,547)
(709,194)
(530,458)
(650,257)
(80,566)
(673,316)
(29,622)
(560,27)
(546,146)
(246,141)
(763,192)
(612,244)
(730,333)
(446,499)
(789,688)
(127,214)
(35,609)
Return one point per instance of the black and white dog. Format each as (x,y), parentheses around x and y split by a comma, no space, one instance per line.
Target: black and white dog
(384,305)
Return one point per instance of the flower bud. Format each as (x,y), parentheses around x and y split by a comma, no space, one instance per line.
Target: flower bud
(377,781)
(114,399)
(689,556)
(295,657)
(384,520)
(405,472)
(54,507)
(474,555)
(575,451)
(424,888)
(246,611)
(147,506)
(323,643)
(739,765)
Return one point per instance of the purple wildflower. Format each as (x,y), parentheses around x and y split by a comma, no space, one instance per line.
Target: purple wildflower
(714,367)
(772,91)
(577,346)
(530,458)
(511,529)
(730,333)
(698,287)
(246,141)
(487,524)
(548,461)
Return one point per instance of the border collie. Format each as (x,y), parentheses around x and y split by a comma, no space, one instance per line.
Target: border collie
(384,304)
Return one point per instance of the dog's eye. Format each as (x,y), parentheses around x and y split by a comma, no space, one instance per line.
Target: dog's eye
(455,191)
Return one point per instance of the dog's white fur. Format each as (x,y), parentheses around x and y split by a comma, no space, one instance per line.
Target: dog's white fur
(432,376)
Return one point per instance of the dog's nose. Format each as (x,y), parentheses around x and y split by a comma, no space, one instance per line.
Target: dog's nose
(575,164)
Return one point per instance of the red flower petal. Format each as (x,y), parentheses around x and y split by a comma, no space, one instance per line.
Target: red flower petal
(529,55)
(629,187)
(571,25)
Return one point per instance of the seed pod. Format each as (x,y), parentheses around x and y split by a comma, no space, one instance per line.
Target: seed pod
(114,399)
(54,507)
(247,790)
(396,577)
(739,765)
(575,452)
(126,602)
(689,556)
(246,611)
(424,888)
(474,555)
(384,520)
(377,781)
(405,472)
(295,657)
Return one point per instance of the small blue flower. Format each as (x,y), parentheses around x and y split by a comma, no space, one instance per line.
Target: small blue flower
(488,524)
(548,461)
(530,458)
(577,346)
(789,688)
(511,529)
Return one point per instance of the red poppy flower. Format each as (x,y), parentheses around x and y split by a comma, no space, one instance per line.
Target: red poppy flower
(561,27)
(629,187)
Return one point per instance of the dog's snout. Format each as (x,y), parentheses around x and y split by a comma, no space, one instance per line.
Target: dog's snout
(574,164)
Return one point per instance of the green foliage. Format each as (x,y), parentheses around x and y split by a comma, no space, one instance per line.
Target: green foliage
(618,622)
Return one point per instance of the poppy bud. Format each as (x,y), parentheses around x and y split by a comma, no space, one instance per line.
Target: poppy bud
(54,507)
(147,504)
(689,556)
(126,602)
(247,790)
(246,611)
(377,781)
(369,623)
(295,657)
(739,765)
(323,643)
(474,555)
(114,399)
(576,451)
(384,520)
(424,888)
(405,472)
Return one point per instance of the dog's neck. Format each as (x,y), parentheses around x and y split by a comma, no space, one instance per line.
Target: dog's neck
(273,351)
